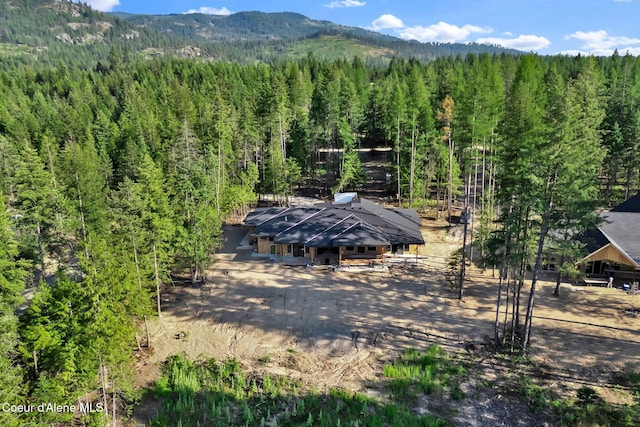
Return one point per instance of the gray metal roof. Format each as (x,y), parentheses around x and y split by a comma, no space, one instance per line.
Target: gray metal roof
(622,229)
(283,220)
(358,223)
(361,234)
(261,215)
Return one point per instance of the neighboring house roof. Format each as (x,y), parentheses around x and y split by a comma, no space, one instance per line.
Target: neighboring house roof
(359,223)
(621,229)
(631,205)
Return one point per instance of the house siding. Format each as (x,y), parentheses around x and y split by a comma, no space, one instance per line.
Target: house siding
(264,245)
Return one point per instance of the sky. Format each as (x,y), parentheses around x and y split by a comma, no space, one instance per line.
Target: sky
(548,27)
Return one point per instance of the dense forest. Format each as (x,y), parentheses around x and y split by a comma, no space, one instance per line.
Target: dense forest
(114,179)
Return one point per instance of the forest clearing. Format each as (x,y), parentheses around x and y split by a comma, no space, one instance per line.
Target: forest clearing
(336,329)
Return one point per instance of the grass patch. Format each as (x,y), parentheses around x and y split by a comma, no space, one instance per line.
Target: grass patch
(589,409)
(214,393)
(264,359)
(418,372)
(535,395)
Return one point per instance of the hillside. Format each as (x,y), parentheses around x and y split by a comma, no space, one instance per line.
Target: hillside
(51,31)
(241,26)
(287,34)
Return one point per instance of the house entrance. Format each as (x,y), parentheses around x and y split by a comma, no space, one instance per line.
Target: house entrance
(298,250)
(594,267)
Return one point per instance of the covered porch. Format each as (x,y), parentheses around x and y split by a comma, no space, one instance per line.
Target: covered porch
(609,261)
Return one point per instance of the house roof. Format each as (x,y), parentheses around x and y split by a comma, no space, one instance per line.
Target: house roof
(630,205)
(359,222)
(594,240)
(622,230)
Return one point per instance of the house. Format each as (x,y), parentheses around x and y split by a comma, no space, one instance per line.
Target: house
(614,247)
(349,230)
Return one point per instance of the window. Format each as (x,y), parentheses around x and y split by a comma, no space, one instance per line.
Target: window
(371,248)
(360,249)
(401,248)
(271,239)
(349,248)
(289,249)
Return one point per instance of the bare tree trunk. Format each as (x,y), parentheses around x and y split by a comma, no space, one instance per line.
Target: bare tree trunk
(413,164)
(103,377)
(113,406)
(496,326)
(40,249)
(219,172)
(398,157)
(35,363)
(438,198)
(194,274)
(556,291)
(135,260)
(515,308)
(483,212)
(473,205)
(503,274)
(463,264)
(157,277)
(536,270)
(450,177)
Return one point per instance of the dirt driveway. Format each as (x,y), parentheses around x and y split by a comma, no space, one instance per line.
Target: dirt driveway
(336,328)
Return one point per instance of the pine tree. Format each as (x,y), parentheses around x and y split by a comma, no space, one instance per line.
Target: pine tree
(13,275)
(34,199)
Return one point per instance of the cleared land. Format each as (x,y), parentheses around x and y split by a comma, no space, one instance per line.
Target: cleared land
(335,329)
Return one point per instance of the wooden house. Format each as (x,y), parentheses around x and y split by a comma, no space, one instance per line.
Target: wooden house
(349,231)
(614,247)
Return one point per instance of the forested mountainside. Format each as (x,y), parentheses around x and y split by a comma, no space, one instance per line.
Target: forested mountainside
(46,32)
(286,30)
(242,26)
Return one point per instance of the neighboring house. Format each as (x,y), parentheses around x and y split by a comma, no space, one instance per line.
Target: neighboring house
(614,248)
(349,230)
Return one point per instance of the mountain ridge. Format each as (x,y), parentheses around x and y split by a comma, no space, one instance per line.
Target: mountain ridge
(49,31)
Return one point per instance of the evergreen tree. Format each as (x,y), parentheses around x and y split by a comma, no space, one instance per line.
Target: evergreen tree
(13,274)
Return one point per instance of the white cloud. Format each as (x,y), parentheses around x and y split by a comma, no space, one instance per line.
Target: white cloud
(622,1)
(387,21)
(523,42)
(211,11)
(102,5)
(601,43)
(441,32)
(345,3)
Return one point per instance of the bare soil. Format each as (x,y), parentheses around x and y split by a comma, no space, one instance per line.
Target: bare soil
(337,328)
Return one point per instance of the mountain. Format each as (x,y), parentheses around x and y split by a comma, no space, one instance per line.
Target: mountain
(241,26)
(49,31)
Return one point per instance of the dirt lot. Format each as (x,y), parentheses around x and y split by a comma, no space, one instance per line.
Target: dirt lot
(337,328)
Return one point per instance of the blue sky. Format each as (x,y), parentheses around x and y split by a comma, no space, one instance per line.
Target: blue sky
(545,26)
